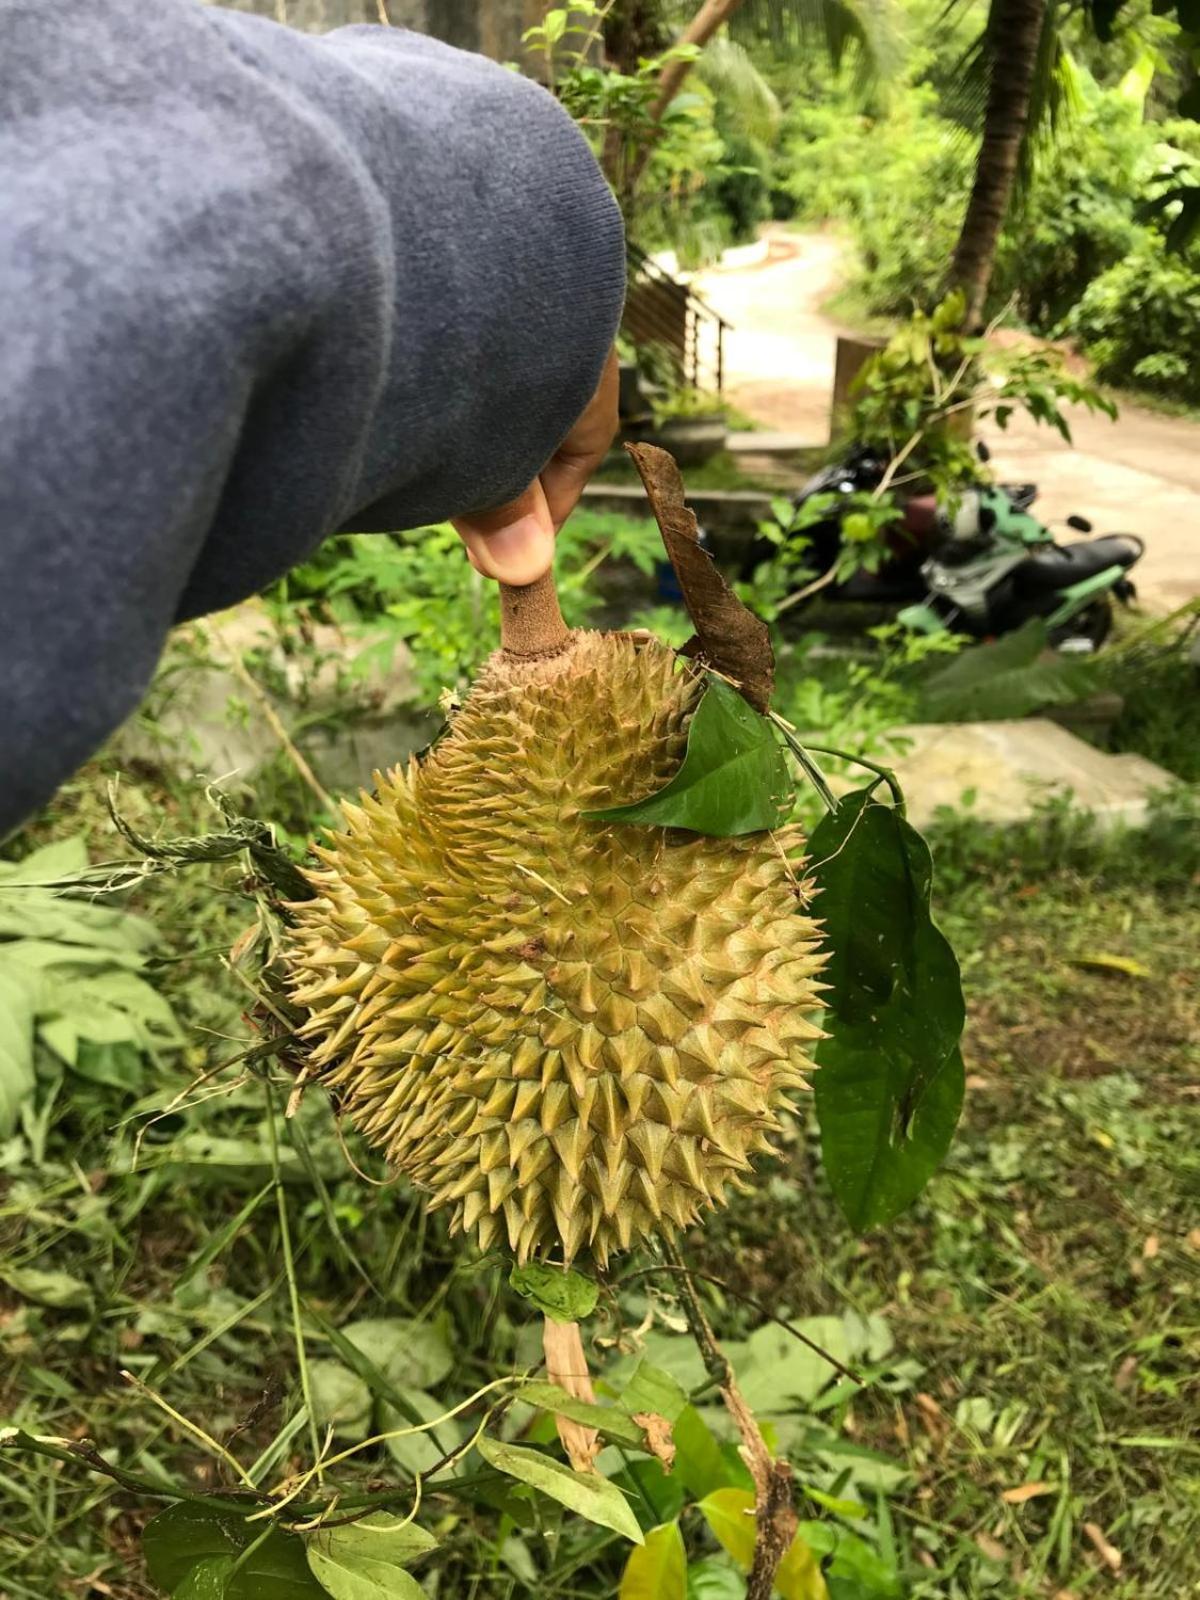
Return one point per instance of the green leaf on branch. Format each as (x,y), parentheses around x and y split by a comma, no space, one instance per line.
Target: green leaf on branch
(608,1420)
(853,1571)
(586,1494)
(733,778)
(730,1515)
(700,1463)
(207,1580)
(559,1293)
(405,1351)
(366,1560)
(658,1570)
(890,1086)
(1008,678)
(652,1389)
(876,1169)
(191,1535)
(712,1579)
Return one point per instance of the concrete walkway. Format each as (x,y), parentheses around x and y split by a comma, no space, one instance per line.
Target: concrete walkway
(1139,475)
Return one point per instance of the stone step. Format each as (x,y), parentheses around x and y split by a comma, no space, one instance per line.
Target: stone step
(765,442)
(1012,767)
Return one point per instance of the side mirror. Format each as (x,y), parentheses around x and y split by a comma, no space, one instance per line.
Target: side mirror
(1080,524)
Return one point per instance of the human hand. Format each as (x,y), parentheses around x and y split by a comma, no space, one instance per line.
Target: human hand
(515,543)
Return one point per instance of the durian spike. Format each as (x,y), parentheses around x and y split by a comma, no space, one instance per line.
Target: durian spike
(566,1365)
(530,622)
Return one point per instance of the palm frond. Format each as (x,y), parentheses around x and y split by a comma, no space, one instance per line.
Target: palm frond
(1054,102)
(729,72)
(864,31)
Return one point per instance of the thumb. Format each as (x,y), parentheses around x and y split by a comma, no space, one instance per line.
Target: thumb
(514,543)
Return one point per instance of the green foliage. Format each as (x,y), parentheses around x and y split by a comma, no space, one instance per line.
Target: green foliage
(658,1570)
(1140,320)
(559,1293)
(900,182)
(366,1560)
(1156,673)
(909,400)
(584,1493)
(1095,249)
(73,984)
(418,589)
(212,1553)
(890,1084)
(1010,677)
(733,778)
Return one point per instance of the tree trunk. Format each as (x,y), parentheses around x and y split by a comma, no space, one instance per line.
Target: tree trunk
(1014,35)
(711,15)
(633,29)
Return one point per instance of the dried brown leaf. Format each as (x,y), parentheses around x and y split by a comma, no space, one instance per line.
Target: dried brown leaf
(659,1440)
(566,1365)
(1108,1553)
(728,637)
(1025,1491)
(992,1548)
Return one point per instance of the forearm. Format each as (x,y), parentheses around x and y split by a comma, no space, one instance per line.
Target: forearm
(255,287)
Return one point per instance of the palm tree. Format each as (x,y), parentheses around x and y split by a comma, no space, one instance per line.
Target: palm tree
(1014,48)
(642,27)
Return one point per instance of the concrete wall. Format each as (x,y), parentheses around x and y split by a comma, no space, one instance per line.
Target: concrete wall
(493,27)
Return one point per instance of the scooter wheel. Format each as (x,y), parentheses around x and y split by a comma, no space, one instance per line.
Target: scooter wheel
(1094,623)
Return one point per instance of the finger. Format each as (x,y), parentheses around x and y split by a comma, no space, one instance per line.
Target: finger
(514,543)
(584,448)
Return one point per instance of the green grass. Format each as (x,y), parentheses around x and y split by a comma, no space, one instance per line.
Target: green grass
(1047,1284)
(1042,1298)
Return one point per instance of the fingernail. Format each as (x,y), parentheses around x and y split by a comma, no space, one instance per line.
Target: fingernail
(519,553)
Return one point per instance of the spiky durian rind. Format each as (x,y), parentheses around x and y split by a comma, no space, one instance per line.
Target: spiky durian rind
(574,1035)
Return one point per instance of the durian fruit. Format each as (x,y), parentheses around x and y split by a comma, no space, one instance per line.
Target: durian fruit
(572,1034)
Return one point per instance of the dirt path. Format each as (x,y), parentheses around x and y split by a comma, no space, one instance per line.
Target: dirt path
(1138,475)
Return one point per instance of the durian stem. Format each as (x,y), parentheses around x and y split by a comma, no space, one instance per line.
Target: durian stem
(530,622)
(566,1365)
(774,1513)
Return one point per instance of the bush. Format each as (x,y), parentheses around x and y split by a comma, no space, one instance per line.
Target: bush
(1078,219)
(742,191)
(1079,256)
(1140,321)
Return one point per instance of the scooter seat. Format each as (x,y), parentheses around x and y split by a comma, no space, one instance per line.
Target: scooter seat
(1054,567)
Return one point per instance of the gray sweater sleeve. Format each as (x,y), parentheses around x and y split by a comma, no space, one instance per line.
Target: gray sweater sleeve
(257,286)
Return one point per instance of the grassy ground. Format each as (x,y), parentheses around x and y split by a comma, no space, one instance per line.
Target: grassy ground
(1039,1408)
(1049,1282)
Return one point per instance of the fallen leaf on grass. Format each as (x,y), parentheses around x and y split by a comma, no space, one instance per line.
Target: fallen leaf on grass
(1193,1238)
(1126,1373)
(992,1548)
(1026,1491)
(932,1415)
(1108,1553)
(1102,962)
(1150,1247)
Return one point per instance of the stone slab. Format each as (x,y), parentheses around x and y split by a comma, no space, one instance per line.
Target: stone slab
(1012,767)
(209,726)
(770,442)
